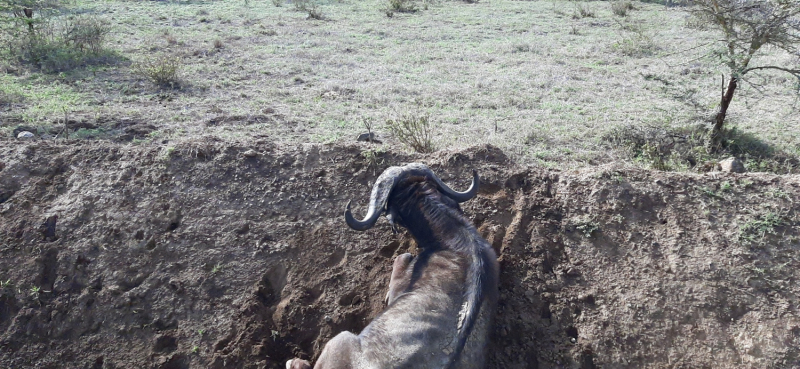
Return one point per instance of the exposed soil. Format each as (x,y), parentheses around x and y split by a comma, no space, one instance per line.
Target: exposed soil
(199,256)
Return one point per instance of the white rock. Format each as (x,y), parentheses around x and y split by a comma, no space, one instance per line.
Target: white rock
(25,135)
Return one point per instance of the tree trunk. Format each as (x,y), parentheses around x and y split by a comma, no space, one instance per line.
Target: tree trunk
(714,142)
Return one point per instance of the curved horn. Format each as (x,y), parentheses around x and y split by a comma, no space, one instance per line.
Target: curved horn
(377,200)
(460,196)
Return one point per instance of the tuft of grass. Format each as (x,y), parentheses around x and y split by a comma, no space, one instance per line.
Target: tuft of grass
(621,7)
(402,6)
(218,44)
(583,11)
(586,226)
(163,71)
(314,12)
(637,41)
(413,131)
(310,8)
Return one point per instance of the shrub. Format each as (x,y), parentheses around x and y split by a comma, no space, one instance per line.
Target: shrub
(413,131)
(85,33)
(163,70)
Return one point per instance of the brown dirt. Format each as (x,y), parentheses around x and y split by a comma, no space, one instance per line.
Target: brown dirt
(197,256)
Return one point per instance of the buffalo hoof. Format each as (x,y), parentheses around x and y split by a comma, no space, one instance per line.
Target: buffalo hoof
(298,364)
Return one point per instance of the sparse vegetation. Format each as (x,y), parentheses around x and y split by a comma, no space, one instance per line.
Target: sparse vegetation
(414,131)
(756,229)
(372,158)
(681,148)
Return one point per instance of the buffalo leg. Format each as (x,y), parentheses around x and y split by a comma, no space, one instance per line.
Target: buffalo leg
(340,352)
(298,364)
(399,280)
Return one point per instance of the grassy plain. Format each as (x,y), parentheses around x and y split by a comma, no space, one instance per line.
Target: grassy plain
(537,78)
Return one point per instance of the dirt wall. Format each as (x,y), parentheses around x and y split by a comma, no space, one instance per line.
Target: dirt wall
(235,255)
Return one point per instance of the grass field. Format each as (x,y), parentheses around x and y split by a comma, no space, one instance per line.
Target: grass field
(544,80)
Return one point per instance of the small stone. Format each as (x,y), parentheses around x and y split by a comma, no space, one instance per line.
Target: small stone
(369,137)
(530,295)
(250,153)
(25,135)
(328,319)
(732,165)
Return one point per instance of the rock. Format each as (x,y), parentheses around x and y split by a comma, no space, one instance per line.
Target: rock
(19,129)
(732,165)
(369,137)
(530,295)
(25,135)
(250,153)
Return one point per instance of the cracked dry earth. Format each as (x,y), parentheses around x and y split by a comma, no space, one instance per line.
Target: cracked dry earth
(199,256)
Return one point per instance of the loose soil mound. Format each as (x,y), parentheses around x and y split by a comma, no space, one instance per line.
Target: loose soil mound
(202,256)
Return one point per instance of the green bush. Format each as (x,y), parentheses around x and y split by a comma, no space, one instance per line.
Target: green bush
(413,131)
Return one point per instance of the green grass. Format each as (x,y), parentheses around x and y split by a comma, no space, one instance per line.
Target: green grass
(756,229)
(494,72)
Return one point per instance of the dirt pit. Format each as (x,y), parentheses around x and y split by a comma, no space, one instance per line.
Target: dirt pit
(205,255)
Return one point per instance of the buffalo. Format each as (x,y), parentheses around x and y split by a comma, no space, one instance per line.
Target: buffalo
(441,303)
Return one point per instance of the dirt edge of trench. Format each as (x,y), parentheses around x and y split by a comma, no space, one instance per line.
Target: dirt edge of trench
(215,254)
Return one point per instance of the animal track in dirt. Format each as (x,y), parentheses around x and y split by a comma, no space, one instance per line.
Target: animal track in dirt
(207,258)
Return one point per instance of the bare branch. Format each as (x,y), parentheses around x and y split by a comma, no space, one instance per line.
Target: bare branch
(795,72)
